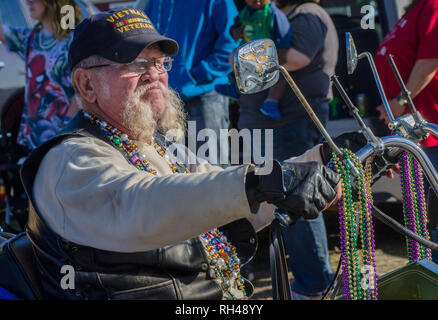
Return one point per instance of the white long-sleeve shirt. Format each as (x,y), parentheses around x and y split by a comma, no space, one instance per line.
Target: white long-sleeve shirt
(88,193)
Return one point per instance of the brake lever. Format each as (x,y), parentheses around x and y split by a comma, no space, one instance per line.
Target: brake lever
(381,164)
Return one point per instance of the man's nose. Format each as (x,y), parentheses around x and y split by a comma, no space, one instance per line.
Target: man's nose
(151,74)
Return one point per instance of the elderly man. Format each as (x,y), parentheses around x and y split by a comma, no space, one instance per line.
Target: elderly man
(133,221)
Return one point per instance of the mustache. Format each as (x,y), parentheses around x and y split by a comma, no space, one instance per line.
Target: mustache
(156,84)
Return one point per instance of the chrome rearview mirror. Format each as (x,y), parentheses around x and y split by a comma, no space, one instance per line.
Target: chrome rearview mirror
(255,66)
(351,53)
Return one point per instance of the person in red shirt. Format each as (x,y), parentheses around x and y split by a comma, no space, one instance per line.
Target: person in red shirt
(413,42)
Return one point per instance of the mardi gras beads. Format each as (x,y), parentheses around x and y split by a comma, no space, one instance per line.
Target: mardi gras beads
(222,255)
(365,200)
(422,211)
(355,222)
(414,206)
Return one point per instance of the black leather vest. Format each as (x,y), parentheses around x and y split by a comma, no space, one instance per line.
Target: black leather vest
(178,271)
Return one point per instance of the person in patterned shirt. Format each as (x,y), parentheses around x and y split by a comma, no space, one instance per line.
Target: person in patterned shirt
(48,89)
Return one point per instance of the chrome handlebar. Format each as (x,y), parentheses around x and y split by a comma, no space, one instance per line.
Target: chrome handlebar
(431,128)
(409,146)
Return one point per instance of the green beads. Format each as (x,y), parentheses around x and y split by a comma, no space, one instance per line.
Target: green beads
(116,140)
(356,225)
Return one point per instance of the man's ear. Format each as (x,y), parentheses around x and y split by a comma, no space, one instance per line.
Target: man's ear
(85,86)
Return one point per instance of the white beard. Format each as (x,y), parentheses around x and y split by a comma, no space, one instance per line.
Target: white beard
(140,119)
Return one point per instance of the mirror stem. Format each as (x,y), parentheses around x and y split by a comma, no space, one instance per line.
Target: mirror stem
(309,110)
(379,84)
(316,120)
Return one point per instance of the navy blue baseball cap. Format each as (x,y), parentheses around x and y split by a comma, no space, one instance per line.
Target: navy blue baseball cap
(117,35)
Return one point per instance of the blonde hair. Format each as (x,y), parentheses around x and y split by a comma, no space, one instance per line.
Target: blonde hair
(53,11)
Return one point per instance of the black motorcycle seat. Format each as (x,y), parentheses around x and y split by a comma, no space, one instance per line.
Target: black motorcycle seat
(19,273)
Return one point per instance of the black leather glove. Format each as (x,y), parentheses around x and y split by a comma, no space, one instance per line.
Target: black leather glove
(297,189)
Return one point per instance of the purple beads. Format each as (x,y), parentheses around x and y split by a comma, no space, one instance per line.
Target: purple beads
(414,206)
(134,159)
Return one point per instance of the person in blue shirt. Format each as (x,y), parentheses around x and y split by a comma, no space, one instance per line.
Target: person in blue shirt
(202,30)
(260,19)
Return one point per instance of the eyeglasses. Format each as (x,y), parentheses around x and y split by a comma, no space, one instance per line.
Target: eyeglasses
(140,66)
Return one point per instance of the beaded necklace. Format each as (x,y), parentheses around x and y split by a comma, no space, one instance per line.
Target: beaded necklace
(221,255)
(414,206)
(50,44)
(355,222)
